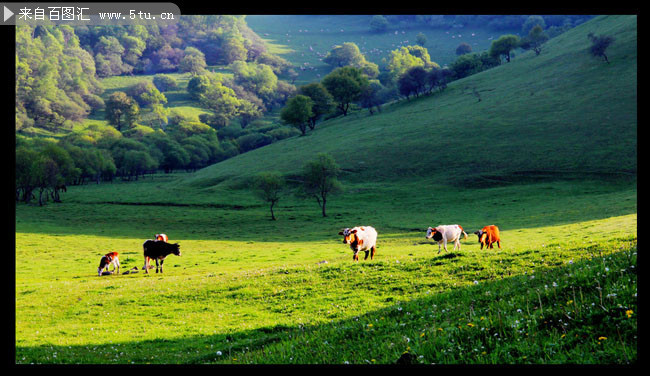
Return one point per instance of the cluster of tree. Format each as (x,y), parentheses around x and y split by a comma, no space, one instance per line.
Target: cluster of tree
(57,67)
(56,83)
(318,180)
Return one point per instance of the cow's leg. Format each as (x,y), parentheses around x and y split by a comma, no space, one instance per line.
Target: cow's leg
(161,265)
(367,253)
(499,244)
(445,244)
(372,254)
(156,265)
(355,257)
(439,249)
(146,264)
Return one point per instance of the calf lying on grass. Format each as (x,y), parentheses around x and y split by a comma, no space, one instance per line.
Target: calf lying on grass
(158,250)
(363,238)
(111,258)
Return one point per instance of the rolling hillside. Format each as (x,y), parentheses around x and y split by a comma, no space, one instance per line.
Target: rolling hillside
(561,114)
(549,154)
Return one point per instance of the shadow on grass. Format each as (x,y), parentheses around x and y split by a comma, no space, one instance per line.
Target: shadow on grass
(373,334)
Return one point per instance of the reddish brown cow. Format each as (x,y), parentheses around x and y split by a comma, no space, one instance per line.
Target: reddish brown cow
(489,235)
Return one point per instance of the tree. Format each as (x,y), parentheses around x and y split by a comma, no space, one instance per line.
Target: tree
(248,112)
(463,48)
(371,96)
(323,101)
(346,54)
(297,112)
(146,94)
(165,82)
(504,45)
(536,37)
(120,109)
(405,58)
(197,85)
(599,44)
(193,61)
(320,179)
(378,24)
(345,85)
(421,39)
(531,22)
(412,81)
(269,187)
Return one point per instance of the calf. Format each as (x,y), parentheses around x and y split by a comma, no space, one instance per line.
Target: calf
(161,237)
(158,250)
(363,238)
(446,233)
(111,258)
(489,235)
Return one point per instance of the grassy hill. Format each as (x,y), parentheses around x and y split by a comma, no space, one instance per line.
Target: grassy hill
(562,112)
(548,155)
(306,39)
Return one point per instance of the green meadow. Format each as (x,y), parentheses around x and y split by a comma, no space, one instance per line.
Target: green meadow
(548,154)
(305,40)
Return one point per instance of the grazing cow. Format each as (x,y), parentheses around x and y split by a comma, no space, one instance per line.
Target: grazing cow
(363,238)
(158,250)
(111,258)
(446,233)
(161,237)
(489,235)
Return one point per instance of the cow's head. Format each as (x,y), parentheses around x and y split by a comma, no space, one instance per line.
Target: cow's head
(102,264)
(482,237)
(434,233)
(177,249)
(349,236)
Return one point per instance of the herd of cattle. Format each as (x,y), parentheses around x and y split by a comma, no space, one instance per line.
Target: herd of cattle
(360,238)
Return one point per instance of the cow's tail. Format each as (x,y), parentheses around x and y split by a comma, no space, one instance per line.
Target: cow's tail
(464,233)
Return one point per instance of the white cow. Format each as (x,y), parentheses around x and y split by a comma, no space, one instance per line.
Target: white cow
(446,233)
(361,238)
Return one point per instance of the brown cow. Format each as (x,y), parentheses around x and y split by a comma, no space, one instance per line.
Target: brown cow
(489,235)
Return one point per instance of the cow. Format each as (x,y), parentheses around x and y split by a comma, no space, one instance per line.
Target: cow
(446,233)
(111,258)
(158,250)
(162,237)
(362,238)
(489,235)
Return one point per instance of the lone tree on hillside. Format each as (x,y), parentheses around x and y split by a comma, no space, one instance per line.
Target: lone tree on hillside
(297,112)
(121,109)
(599,44)
(345,85)
(536,37)
(320,179)
(504,45)
(269,187)
(323,101)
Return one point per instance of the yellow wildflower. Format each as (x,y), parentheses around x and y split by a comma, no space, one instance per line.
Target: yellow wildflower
(470,324)
(421,335)
(569,302)
(369,325)
(602,338)
(629,313)
(563,335)
(440,329)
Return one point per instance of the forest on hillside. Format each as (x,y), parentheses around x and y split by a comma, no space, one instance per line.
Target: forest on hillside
(86,131)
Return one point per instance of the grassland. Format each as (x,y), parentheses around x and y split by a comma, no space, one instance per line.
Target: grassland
(557,174)
(305,40)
